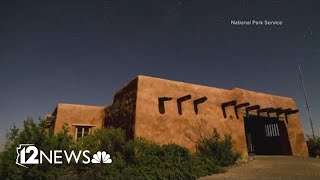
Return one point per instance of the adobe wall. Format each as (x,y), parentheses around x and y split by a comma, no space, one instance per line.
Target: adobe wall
(121,114)
(171,127)
(73,114)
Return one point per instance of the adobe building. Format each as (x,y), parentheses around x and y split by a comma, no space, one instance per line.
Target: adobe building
(166,111)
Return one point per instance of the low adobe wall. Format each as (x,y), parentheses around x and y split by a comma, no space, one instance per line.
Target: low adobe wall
(73,114)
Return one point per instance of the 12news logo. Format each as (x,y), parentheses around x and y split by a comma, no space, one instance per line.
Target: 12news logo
(29,154)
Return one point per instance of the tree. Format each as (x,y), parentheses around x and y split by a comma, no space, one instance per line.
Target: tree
(37,134)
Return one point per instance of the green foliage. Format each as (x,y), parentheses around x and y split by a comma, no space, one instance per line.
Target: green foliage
(217,150)
(151,161)
(112,141)
(133,159)
(32,133)
(313,146)
(203,166)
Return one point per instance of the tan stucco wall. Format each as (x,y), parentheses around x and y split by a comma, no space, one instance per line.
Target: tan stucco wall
(78,114)
(135,109)
(171,127)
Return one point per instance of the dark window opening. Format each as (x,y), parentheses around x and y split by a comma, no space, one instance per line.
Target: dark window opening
(82,131)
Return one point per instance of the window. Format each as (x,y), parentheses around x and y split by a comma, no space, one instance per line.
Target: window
(272,130)
(82,131)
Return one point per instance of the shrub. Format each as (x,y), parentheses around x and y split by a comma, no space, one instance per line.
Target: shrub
(147,160)
(110,140)
(216,149)
(204,166)
(313,146)
(32,133)
(133,159)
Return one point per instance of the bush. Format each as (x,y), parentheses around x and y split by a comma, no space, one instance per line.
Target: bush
(133,159)
(110,140)
(151,161)
(147,160)
(217,150)
(204,166)
(313,146)
(32,133)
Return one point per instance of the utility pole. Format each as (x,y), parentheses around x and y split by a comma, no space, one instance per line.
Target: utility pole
(306,100)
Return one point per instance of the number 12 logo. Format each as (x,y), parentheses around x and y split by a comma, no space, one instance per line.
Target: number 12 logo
(24,149)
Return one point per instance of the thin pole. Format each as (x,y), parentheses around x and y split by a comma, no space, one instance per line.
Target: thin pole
(306,99)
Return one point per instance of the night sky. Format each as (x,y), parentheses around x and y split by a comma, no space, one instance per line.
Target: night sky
(83,51)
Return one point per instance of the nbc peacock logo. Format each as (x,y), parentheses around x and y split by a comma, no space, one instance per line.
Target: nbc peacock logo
(101,157)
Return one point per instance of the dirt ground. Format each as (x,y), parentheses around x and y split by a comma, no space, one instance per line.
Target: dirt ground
(272,168)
